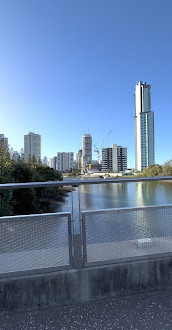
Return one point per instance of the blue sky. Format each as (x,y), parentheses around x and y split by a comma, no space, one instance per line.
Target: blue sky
(69,67)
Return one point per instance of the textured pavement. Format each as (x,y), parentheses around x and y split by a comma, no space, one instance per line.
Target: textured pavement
(142,311)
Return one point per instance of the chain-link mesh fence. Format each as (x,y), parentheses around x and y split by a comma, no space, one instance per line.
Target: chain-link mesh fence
(126,233)
(35,242)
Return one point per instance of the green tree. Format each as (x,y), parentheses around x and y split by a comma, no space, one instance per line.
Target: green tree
(167,168)
(26,201)
(152,170)
(6,196)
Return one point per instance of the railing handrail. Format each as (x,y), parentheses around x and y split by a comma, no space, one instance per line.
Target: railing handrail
(38,215)
(120,209)
(80,182)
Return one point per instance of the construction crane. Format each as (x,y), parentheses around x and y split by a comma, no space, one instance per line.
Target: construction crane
(98,153)
(98,149)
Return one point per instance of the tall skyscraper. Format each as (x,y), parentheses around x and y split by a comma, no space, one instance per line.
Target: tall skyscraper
(32,147)
(86,150)
(144,127)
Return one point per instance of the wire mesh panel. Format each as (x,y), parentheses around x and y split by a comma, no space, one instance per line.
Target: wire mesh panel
(35,242)
(120,234)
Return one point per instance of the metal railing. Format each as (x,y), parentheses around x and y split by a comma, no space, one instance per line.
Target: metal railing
(123,234)
(46,242)
(35,243)
(77,182)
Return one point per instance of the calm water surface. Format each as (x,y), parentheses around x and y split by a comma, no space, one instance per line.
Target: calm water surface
(114,195)
(126,225)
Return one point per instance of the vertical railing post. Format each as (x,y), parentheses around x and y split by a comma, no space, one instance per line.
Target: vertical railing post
(84,240)
(70,241)
(77,241)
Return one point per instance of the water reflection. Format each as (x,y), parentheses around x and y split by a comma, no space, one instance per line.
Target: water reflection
(146,193)
(104,196)
(127,225)
(116,195)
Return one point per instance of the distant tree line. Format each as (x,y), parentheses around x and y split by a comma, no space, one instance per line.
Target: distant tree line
(73,172)
(158,170)
(27,201)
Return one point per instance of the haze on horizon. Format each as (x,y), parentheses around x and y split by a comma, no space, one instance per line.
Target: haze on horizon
(70,67)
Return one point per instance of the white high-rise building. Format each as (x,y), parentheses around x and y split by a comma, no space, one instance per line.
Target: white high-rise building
(144,127)
(32,147)
(63,162)
(86,150)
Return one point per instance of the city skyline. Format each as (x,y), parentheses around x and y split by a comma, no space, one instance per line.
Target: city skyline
(71,68)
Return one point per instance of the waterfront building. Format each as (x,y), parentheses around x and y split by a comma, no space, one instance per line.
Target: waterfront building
(63,162)
(114,159)
(86,151)
(122,158)
(144,127)
(106,164)
(32,147)
(79,158)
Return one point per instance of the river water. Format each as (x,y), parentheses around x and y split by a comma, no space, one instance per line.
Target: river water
(116,195)
(127,224)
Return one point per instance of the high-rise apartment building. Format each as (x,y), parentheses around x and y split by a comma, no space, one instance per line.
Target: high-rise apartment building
(32,147)
(106,164)
(121,158)
(79,158)
(114,159)
(63,162)
(144,127)
(86,150)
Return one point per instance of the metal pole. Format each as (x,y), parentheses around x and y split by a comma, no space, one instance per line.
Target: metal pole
(80,216)
(72,210)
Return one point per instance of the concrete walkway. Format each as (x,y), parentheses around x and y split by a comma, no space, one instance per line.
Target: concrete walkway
(138,312)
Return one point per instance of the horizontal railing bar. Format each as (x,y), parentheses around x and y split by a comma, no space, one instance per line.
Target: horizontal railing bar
(41,215)
(79,182)
(126,209)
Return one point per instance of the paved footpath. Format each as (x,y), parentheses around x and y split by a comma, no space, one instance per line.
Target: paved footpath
(142,311)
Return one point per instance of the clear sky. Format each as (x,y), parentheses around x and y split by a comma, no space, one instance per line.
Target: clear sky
(69,67)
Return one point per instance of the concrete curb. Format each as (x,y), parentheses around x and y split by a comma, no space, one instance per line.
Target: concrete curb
(37,291)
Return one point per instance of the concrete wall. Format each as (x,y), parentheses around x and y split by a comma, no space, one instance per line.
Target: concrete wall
(77,286)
